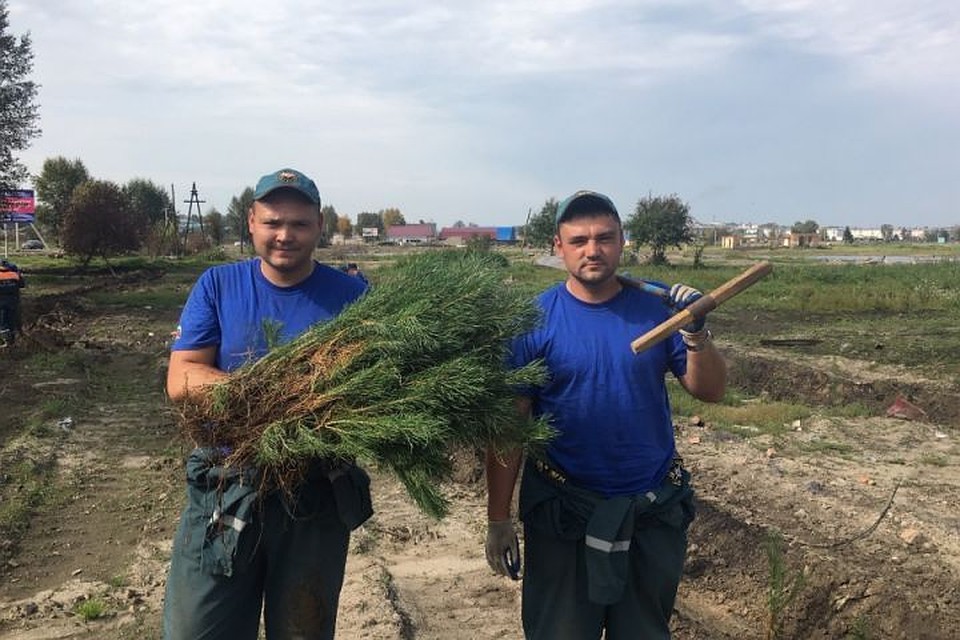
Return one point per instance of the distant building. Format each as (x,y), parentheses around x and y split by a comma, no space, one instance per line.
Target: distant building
(794,239)
(866,234)
(460,235)
(412,233)
(730,242)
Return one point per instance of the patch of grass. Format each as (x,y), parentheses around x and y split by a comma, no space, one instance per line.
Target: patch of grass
(783,587)
(117,581)
(859,630)
(145,299)
(27,486)
(934,460)
(771,417)
(58,406)
(90,609)
(825,446)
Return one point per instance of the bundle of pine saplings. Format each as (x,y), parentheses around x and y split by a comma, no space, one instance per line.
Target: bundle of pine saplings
(402,378)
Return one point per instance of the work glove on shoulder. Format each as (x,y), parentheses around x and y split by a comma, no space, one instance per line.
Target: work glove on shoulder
(503,548)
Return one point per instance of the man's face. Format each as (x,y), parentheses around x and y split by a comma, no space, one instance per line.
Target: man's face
(590,247)
(284,232)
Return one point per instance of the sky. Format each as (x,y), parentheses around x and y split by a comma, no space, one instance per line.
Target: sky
(845,112)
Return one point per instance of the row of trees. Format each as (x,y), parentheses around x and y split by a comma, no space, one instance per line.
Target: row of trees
(659,222)
(141,212)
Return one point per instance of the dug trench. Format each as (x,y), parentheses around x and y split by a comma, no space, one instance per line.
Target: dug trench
(863,507)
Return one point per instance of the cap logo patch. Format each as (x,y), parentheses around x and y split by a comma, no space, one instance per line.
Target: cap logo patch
(287,177)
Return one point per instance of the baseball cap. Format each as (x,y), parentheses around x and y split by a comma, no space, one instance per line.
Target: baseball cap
(287,179)
(585,201)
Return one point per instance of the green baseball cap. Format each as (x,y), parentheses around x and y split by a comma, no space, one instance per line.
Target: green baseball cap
(585,201)
(287,179)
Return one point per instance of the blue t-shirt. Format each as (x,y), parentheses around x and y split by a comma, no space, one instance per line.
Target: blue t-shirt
(609,405)
(236,308)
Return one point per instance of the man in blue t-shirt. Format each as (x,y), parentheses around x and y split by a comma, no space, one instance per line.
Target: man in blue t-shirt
(606,508)
(237,552)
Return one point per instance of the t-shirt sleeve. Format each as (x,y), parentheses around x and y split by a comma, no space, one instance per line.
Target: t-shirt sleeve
(521,351)
(677,355)
(199,322)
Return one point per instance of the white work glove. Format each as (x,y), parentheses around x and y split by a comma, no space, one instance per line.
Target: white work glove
(503,548)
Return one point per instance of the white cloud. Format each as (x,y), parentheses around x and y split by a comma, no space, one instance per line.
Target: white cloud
(896,44)
(501,104)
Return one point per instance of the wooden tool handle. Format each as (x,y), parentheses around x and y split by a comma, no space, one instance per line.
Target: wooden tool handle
(702,306)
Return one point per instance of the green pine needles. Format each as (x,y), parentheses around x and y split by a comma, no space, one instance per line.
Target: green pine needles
(403,377)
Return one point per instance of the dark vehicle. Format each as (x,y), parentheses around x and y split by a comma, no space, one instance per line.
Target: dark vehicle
(31,245)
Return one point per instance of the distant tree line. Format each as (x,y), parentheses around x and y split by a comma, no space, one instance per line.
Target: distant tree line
(97,218)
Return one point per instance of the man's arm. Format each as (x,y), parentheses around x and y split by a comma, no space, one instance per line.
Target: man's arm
(502,471)
(190,370)
(706,376)
(503,546)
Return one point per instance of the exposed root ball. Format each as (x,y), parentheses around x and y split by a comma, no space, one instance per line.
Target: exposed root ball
(403,376)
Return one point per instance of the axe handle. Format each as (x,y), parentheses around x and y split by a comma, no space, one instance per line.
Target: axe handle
(702,306)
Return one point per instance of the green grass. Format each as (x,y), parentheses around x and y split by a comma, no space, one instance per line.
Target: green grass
(934,460)
(825,446)
(118,581)
(90,609)
(26,488)
(731,413)
(145,299)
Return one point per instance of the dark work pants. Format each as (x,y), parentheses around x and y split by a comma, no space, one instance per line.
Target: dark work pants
(288,561)
(555,604)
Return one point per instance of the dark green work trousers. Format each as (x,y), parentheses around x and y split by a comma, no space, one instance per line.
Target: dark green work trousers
(236,553)
(555,603)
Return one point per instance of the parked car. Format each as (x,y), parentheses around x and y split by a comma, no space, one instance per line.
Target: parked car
(31,245)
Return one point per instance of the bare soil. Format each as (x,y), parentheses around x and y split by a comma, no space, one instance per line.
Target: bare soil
(867,507)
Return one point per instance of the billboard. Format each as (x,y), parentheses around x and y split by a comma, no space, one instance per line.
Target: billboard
(17,205)
(369,232)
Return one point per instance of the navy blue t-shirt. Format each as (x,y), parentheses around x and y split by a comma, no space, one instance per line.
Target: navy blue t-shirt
(236,308)
(609,405)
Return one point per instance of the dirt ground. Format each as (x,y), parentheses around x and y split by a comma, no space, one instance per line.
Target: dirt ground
(866,507)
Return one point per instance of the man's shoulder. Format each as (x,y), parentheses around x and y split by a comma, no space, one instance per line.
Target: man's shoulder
(324,276)
(230,269)
(551,294)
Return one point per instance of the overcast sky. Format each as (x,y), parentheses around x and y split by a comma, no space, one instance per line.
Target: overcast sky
(846,112)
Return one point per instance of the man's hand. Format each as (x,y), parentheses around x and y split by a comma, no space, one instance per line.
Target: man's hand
(682,296)
(503,548)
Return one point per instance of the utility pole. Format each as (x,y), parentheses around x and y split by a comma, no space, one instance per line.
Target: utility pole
(194,200)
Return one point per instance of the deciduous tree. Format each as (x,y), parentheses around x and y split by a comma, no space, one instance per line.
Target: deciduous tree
(542,227)
(807,226)
(660,222)
(344,226)
(237,212)
(215,226)
(330,219)
(19,111)
(149,200)
(391,217)
(55,185)
(99,221)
